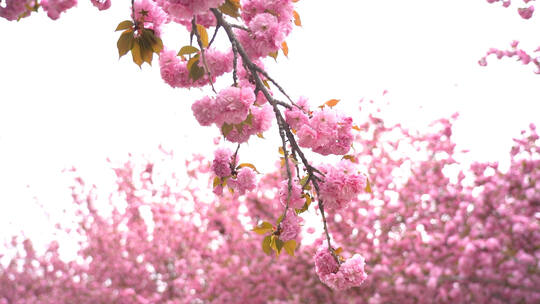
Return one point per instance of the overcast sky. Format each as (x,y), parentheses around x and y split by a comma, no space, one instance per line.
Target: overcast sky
(67,99)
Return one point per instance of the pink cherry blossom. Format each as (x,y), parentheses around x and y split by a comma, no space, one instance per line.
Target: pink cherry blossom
(290,226)
(55,7)
(342,183)
(221,165)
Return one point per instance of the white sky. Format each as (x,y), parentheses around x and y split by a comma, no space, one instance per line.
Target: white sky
(67,100)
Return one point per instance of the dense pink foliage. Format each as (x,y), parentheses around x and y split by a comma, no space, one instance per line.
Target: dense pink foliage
(342,183)
(326,132)
(523,56)
(426,230)
(464,237)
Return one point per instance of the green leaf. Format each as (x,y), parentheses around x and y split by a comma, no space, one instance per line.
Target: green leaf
(124,25)
(217,181)
(188,49)
(273,55)
(203,34)
(226,129)
(125,42)
(351,158)
(285,49)
(136,53)
(263,228)
(146,49)
(157,46)
(196,72)
(303,182)
(192,61)
(306,204)
(331,103)
(239,127)
(242,165)
(290,246)
(153,42)
(278,245)
(280,218)
(368,186)
(230,7)
(297,20)
(266,244)
(249,120)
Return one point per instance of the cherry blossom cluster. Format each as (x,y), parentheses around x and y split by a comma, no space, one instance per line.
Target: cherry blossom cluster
(523,56)
(325,131)
(433,235)
(182,11)
(175,72)
(241,179)
(290,226)
(342,183)
(149,15)
(268,24)
(234,107)
(349,274)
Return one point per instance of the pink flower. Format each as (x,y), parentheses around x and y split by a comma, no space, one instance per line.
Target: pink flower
(150,14)
(186,9)
(327,132)
(55,7)
(290,226)
(175,73)
(260,122)
(245,181)
(205,111)
(233,104)
(282,9)
(296,118)
(296,199)
(221,166)
(526,12)
(218,62)
(262,118)
(15,9)
(307,137)
(325,263)
(339,277)
(101,4)
(342,183)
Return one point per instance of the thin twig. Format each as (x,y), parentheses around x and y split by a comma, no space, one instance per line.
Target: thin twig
(284,128)
(235,64)
(214,36)
(265,74)
(199,42)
